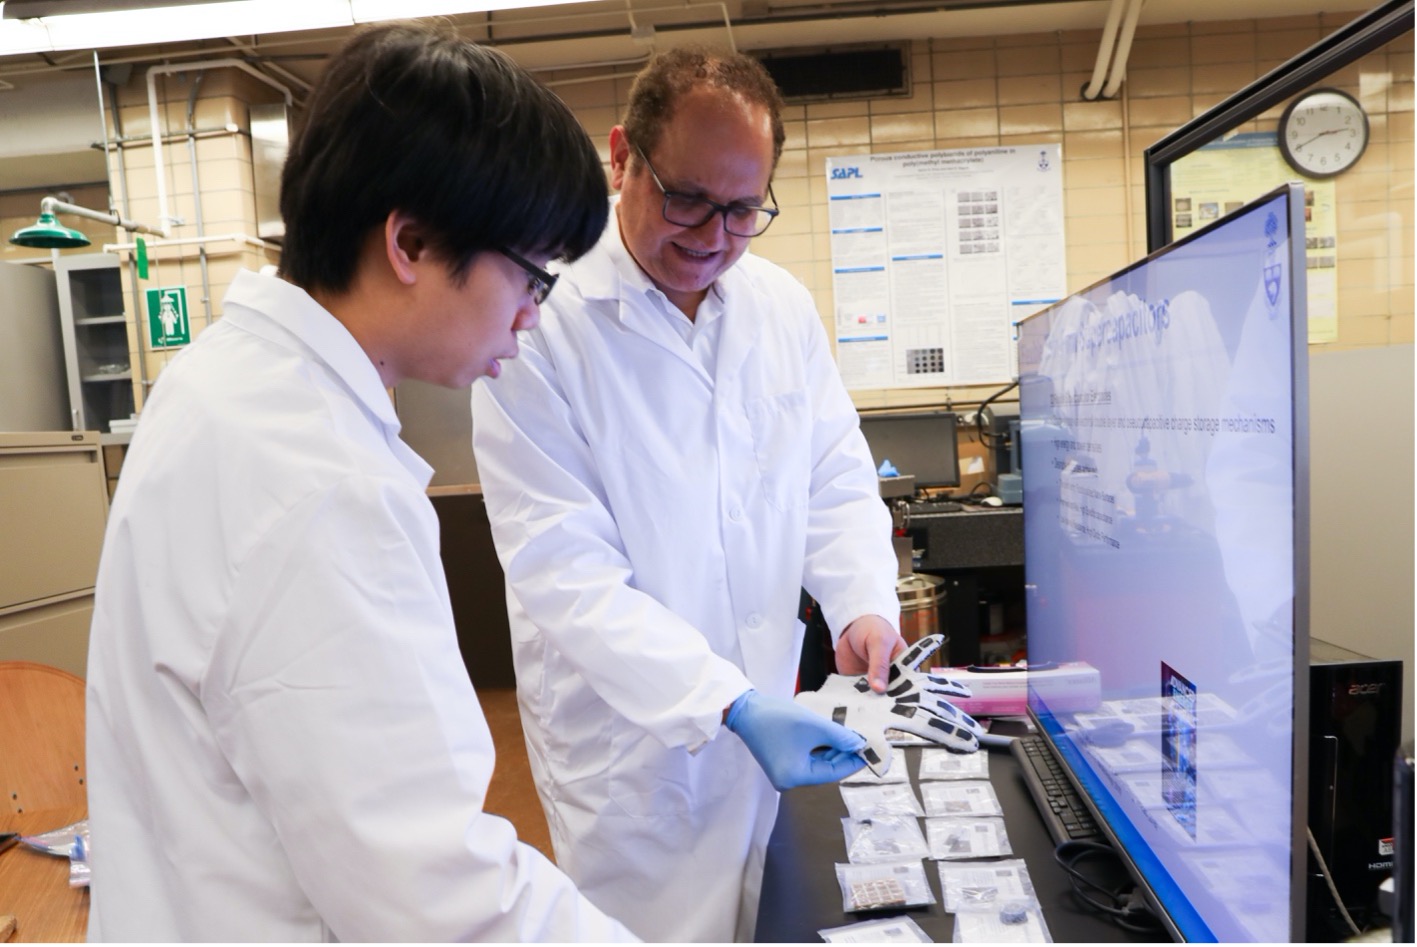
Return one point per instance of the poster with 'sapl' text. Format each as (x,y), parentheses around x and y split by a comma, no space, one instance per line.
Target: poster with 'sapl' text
(935,256)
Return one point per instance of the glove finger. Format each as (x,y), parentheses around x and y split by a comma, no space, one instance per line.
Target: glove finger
(863,721)
(952,734)
(939,684)
(832,734)
(948,711)
(918,653)
(878,752)
(900,684)
(943,708)
(832,766)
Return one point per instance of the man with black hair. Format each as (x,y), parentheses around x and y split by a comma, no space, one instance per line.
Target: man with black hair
(673,459)
(283,743)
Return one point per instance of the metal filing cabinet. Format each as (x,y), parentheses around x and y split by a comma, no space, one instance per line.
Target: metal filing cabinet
(53,507)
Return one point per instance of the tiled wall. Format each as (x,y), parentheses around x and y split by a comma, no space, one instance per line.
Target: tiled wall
(965,92)
(982,91)
(222,146)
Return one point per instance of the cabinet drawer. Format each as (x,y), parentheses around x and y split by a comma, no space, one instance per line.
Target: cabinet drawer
(52,512)
(57,635)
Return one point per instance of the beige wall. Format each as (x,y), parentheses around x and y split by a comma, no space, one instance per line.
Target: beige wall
(982,91)
(222,146)
(968,92)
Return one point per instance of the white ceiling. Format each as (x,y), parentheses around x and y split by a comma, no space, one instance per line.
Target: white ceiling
(54,96)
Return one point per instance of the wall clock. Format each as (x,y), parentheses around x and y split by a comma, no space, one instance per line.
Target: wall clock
(1323,132)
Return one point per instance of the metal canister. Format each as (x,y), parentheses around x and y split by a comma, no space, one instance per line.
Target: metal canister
(920,597)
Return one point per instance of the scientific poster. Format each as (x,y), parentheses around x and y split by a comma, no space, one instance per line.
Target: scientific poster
(1212,181)
(935,256)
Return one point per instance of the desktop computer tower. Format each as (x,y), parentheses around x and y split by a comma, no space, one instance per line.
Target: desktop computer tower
(1355,726)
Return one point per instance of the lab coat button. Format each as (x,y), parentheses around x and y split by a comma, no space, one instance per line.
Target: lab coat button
(754,620)
(735,514)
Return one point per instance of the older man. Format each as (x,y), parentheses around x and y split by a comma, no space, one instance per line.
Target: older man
(672,460)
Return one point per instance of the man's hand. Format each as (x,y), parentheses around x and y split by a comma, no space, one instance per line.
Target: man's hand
(916,702)
(867,646)
(794,746)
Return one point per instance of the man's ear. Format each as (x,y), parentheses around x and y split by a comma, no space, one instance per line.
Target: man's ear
(404,246)
(619,156)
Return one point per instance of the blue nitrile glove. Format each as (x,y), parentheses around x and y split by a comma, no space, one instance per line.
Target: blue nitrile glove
(794,746)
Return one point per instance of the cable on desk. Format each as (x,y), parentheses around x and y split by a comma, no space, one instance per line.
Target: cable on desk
(1122,904)
(985,437)
(1328,879)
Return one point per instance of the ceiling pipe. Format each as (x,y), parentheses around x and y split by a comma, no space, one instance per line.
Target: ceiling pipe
(243,238)
(276,68)
(167,220)
(52,205)
(1124,49)
(1104,51)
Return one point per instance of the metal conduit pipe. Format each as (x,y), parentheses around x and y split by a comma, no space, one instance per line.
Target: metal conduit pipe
(53,205)
(1104,51)
(211,131)
(165,219)
(194,241)
(121,180)
(285,74)
(1124,49)
(191,131)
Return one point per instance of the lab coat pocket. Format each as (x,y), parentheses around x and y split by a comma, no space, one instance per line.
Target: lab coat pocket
(782,440)
(651,781)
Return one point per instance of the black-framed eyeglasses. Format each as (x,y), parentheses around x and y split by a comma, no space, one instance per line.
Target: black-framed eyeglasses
(692,210)
(539,283)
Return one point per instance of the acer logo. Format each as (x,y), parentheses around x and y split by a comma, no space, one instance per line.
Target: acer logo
(1359,690)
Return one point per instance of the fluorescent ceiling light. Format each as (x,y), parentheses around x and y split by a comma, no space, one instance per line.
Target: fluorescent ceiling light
(208,20)
(369,11)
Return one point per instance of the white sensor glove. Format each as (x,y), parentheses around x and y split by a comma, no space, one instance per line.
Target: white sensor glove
(914,701)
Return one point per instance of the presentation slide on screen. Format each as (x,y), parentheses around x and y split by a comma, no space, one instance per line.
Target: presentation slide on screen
(935,256)
(1157,431)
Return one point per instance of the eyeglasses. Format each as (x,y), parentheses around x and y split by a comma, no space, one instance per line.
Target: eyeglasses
(691,210)
(539,282)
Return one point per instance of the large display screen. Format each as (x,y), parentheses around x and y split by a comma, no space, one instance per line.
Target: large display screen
(1163,430)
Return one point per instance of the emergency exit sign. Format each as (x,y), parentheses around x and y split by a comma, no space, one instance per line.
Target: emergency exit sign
(168,325)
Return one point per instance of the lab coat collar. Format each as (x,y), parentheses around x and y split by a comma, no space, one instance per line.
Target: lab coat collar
(283,313)
(609,272)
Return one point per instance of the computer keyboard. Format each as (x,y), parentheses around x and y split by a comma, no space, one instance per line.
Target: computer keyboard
(926,507)
(1062,809)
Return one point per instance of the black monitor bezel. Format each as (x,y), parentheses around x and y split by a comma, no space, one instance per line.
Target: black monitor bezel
(947,419)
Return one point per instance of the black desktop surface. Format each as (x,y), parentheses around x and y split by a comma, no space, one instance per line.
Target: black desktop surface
(800,894)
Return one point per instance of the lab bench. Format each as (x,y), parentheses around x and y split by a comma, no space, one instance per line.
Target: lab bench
(979,554)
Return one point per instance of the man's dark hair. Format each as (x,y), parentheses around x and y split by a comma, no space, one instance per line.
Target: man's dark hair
(413,118)
(669,75)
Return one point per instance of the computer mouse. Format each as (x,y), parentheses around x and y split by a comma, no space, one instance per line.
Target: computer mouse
(992,501)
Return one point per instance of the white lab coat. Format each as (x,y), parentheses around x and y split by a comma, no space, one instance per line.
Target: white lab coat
(283,744)
(656,526)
